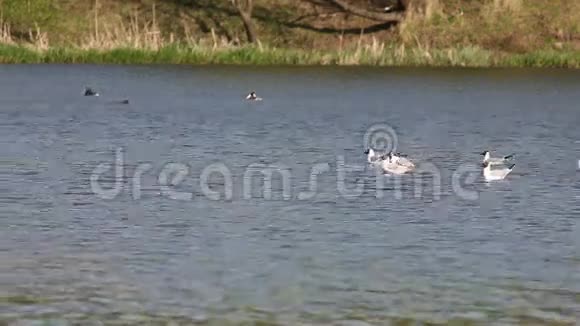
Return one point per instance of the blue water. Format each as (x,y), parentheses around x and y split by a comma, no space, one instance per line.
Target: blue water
(189,231)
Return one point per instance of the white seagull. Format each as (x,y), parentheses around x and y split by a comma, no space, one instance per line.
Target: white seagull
(495,174)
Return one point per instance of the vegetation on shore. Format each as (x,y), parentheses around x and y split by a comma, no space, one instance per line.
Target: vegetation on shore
(460,57)
(476,33)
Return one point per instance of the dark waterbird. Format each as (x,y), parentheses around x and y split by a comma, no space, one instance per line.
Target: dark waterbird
(125,101)
(90,92)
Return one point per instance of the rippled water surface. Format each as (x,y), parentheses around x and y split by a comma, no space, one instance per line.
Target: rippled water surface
(188,231)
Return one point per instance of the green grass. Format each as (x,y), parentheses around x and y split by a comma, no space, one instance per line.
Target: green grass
(548,58)
(391,56)
(22,300)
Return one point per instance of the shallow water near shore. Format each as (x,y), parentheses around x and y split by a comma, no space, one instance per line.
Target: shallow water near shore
(190,234)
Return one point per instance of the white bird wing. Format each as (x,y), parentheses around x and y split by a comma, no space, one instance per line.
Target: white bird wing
(499,160)
(405,162)
(496,162)
(394,167)
(498,174)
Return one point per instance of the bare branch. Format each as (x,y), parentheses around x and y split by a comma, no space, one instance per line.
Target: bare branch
(355,10)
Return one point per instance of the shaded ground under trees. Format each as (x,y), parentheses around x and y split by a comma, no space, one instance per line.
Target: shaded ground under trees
(506,25)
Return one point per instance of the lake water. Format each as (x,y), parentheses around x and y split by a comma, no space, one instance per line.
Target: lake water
(193,205)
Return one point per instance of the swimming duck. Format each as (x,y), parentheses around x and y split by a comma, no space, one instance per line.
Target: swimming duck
(253,97)
(90,92)
(495,174)
(125,101)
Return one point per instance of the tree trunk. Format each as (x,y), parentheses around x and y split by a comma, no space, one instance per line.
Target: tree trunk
(244,8)
(249,26)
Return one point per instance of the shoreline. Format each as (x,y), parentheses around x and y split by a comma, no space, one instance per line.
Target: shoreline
(464,57)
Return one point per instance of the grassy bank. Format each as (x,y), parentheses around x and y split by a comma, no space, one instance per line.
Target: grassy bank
(391,56)
(476,33)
